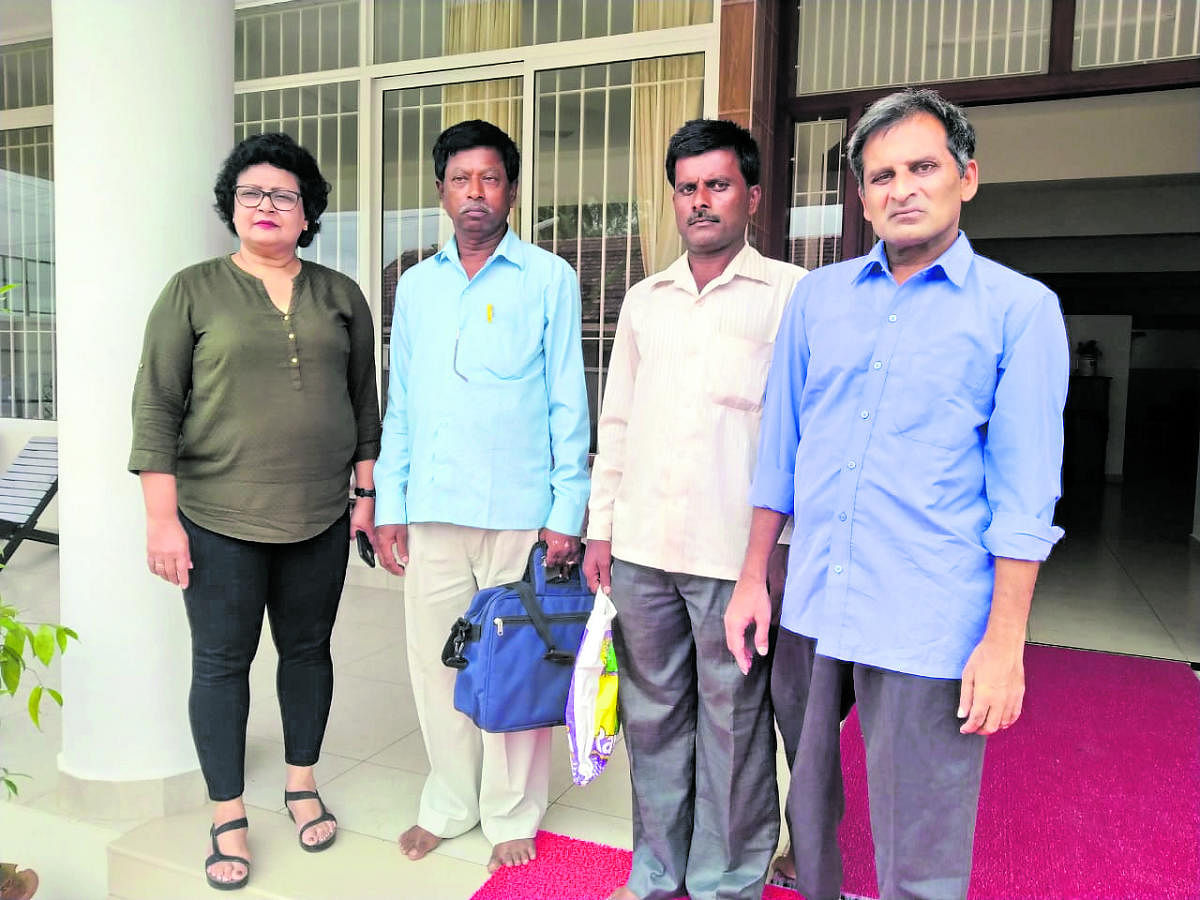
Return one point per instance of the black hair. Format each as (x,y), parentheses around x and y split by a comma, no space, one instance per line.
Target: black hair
(279,150)
(894,108)
(702,135)
(475,133)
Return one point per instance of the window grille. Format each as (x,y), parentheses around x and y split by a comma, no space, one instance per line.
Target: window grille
(1121,32)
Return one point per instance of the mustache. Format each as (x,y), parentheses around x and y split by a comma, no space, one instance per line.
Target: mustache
(475,207)
(701,215)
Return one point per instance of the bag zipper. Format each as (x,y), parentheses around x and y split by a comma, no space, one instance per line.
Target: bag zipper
(501,621)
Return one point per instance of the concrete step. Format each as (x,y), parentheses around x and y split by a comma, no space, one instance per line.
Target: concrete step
(163,860)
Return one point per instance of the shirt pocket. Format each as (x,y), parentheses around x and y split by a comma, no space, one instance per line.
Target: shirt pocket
(507,348)
(943,395)
(736,372)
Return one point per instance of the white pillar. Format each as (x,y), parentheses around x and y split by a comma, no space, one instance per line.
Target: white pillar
(143,115)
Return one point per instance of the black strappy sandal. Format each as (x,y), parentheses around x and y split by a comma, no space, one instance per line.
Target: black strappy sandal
(325,816)
(217,856)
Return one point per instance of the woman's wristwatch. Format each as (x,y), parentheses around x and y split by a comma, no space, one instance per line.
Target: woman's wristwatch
(364,492)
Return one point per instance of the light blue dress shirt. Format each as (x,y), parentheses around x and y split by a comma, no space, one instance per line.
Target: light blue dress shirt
(487,412)
(915,432)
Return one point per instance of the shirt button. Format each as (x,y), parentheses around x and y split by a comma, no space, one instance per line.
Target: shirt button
(287,317)
(291,337)
(892,317)
(865,414)
(295,360)
(852,464)
(877,365)
(841,517)
(837,570)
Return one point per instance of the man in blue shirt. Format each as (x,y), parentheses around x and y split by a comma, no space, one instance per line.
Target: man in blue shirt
(485,441)
(913,426)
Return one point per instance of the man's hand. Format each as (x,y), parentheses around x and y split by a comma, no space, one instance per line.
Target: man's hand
(560,548)
(391,543)
(167,552)
(993,686)
(749,606)
(597,565)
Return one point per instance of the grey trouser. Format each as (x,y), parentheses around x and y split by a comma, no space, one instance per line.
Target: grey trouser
(922,774)
(700,737)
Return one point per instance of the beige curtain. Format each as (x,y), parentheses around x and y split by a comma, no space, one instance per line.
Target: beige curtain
(666,93)
(471,26)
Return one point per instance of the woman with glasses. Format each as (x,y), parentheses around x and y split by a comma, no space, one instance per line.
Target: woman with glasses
(254,405)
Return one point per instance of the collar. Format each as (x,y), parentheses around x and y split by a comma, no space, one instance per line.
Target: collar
(952,265)
(746,263)
(510,248)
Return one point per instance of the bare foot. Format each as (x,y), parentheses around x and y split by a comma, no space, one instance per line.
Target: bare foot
(623,893)
(232,842)
(17,885)
(512,853)
(416,842)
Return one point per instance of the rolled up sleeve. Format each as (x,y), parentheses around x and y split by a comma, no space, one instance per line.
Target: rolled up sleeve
(1024,448)
(164,379)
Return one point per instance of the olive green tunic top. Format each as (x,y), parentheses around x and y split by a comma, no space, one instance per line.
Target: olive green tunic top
(259,414)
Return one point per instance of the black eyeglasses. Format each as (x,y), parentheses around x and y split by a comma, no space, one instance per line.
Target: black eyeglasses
(253,197)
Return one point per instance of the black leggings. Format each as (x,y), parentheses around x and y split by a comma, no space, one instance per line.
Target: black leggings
(231,581)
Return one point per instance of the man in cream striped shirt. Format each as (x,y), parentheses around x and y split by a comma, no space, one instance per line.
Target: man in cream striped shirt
(669,519)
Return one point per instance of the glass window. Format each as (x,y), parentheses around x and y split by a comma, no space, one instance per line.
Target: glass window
(851,44)
(26,75)
(1120,32)
(815,218)
(601,197)
(296,37)
(324,119)
(27,341)
(419,29)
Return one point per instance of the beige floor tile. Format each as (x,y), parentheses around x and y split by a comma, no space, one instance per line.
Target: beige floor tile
(266,772)
(366,717)
(408,753)
(374,800)
(372,606)
(610,794)
(589,826)
(389,664)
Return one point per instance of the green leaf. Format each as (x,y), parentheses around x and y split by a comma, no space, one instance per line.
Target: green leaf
(14,639)
(35,702)
(10,785)
(43,644)
(70,632)
(10,673)
(60,635)
(54,695)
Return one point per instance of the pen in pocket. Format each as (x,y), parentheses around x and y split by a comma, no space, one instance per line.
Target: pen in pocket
(489,312)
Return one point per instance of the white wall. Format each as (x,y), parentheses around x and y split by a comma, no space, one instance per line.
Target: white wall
(1113,334)
(1155,133)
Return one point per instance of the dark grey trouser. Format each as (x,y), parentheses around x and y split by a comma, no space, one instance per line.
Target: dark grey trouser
(922,774)
(700,737)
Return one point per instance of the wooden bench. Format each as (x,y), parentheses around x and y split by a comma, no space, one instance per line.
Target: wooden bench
(26,489)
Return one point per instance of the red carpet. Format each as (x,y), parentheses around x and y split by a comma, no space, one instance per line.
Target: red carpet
(1095,793)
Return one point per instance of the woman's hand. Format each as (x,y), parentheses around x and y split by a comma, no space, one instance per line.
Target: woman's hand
(362,518)
(167,553)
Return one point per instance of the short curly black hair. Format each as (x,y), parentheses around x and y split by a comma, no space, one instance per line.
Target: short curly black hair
(700,136)
(279,150)
(469,135)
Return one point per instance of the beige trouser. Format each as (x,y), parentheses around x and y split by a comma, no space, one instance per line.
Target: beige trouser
(501,781)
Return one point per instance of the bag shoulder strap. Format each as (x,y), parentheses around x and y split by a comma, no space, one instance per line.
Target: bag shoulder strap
(529,600)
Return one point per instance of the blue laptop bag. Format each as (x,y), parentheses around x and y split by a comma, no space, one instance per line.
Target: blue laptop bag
(515,648)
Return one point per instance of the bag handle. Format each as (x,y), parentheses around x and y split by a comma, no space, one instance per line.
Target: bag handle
(538,575)
(530,601)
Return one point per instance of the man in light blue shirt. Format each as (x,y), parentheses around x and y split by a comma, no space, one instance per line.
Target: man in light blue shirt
(485,444)
(913,426)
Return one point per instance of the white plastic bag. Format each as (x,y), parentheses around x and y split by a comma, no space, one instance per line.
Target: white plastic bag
(591,712)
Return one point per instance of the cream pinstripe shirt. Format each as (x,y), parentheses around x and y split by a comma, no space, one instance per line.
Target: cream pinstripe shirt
(678,432)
